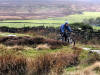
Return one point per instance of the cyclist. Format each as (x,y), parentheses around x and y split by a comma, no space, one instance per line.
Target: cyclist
(64,30)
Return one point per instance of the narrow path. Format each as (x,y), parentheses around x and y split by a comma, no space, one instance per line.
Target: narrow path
(89,49)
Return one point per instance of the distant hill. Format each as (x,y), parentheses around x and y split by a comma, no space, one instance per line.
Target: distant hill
(37,9)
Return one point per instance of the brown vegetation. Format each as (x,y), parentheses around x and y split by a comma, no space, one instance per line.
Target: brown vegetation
(55,62)
(92,57)
(94,69)
(41,65)
(29,41)
(16,48)
(52,33)
(12,65)
(42,47)
(45,64)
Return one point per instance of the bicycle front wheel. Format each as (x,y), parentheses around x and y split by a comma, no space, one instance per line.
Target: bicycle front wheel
(71,41)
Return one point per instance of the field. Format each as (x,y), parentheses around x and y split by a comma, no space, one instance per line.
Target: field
(38,52)
(26,54)
(55,22)
(43,9)
(96,27)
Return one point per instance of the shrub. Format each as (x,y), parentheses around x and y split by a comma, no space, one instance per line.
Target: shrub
(12,65)
(81,25)
(29,41)
(56,62)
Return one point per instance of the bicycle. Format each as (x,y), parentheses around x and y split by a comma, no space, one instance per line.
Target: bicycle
(69,38)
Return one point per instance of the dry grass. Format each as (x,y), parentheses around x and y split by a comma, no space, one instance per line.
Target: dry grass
(15,47)
(29,41)
(41,65)
(2,47)
(12,65)
(92,58)
(87,71)
(42,47)
(48,63)
(45,64)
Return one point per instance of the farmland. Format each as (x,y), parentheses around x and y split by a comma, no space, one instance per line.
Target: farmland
(55,22)
(96,27)
(33,9)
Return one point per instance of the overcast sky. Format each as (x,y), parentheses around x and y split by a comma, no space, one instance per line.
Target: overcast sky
(54,0)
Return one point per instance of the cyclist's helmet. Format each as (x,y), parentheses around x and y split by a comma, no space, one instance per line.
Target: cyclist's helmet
(66,23)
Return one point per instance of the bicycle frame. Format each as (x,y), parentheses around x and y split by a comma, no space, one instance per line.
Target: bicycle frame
(68,38)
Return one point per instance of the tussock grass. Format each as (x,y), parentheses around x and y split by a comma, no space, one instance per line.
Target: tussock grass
(16,48)
(2,47)
(90,70)
(52,63)
(47,63)
(41,65)
(88,57)
(29,41)
(12,65)
(42,47)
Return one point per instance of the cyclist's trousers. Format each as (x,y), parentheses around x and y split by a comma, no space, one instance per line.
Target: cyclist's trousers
(64,36)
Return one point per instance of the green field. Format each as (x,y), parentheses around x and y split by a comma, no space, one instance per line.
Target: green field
(50,21)
(96,27)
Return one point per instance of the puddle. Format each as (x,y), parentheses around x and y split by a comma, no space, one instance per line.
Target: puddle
(11,35)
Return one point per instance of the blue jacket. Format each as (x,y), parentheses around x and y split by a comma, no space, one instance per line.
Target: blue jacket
(63,28)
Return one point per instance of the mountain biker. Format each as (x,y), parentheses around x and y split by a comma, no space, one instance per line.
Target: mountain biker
(64,29)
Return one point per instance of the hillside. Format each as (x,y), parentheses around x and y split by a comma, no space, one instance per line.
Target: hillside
(39,9)
(31,42)
(25,54)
